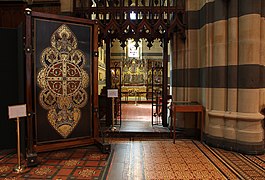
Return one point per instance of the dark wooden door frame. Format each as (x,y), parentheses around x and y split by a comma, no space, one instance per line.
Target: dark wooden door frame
(108,83)
(165,82)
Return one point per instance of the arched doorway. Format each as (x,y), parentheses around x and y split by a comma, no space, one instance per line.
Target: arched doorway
(138,75)
(135,19)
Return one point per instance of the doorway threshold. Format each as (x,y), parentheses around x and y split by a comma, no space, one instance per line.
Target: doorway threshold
(138,129)
(141,126)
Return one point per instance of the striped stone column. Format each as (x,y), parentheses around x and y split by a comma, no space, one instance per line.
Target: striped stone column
(217,71)
(179,73)
(178,67)
(225,47)
(230,124)
(250,133)
(262,55)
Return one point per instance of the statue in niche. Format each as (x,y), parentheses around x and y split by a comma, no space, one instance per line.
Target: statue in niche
(133,78)
(133,66)
(125,68)
(127,78)
(141,78)
(141,67)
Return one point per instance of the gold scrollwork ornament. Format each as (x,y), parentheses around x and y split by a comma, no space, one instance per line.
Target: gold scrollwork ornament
(63,81)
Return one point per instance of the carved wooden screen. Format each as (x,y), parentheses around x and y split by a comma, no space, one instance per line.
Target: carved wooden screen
(154,78)
(63,83)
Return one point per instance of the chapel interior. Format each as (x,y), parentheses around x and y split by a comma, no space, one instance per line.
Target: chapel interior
(132,89)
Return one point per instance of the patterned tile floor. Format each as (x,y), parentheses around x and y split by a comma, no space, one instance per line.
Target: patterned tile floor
(159,160)
(187,159)
(141,159)
(77,163)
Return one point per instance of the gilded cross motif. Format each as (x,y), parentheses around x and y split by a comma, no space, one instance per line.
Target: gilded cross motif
(63,80)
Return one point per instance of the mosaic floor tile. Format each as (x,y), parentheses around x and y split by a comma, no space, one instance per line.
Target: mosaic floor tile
(78,163)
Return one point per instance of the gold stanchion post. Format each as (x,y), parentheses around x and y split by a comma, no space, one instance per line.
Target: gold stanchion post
(16,112)
(18,168)
(112,93)
(113,128)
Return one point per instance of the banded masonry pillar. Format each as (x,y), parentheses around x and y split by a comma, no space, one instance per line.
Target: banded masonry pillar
(250,133)
(218,72)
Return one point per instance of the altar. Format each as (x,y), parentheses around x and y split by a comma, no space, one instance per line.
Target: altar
(135,93)
(136,78)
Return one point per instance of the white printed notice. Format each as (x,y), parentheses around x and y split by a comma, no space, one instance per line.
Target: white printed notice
(112,92)
(17,111)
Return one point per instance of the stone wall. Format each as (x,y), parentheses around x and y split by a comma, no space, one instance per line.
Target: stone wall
(221,65)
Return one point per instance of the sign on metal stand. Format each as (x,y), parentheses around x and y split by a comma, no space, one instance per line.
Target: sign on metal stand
(113,93)
(18,111)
